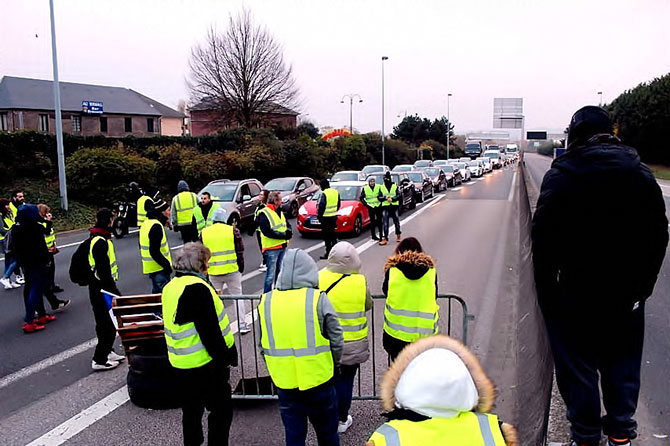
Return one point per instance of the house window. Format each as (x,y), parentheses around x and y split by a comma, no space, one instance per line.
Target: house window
(150,125)
(128,124)
(76,124)
(103,124)
(44,123)
(3,122)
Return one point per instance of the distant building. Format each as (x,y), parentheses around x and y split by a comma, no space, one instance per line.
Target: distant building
(28,104)
(205,119)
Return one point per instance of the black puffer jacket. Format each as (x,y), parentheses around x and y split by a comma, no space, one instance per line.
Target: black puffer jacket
(600,231)
(28,238)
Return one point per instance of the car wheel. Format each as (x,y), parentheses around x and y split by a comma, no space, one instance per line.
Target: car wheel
(117,228)
(234,220)
(423,196)
(358,225)
(294,209)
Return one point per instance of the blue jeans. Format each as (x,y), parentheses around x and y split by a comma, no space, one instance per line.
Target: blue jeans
(10,265)
(273,259)
(344,385)
(158,281)
(391,212)
(37,279)
(319,405)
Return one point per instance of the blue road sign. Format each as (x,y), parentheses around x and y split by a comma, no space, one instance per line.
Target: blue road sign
(91,106)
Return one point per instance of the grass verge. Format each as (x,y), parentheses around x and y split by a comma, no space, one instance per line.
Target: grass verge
(660,172)
(78,216)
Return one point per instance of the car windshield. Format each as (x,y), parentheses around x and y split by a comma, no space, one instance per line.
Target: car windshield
(473,164)
(345,176)
(402,168)
(440,163)
(432,172)
(348,193)
(493,147)
(221,192)
(460,165)
(492,154)
(422,163)
(372,169)
(281,184)
(483,160)
(448,168)
(471,147)
(416,177)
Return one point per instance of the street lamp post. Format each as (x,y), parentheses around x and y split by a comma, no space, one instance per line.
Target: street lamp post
(57,108)
(383,138)
(600,93)
(448,125)
(351,97)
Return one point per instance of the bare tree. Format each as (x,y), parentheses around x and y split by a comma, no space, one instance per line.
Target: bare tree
(241,72)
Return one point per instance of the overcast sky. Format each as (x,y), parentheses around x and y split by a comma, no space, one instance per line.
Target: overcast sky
(555,54)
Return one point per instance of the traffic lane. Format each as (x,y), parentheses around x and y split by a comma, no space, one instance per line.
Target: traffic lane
(653,406)
(537,166)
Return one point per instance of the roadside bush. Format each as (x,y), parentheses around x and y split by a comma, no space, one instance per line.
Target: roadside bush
(352,151)
(101,176)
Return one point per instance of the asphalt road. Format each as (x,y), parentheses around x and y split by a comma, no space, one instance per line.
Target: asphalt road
(45,378)
(653,413)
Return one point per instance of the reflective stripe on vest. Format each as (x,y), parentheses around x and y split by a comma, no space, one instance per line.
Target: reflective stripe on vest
(8,222)
(50,238)
(111,254)
(348,300)
(411,312)
(220,239)
(184,205)
(13,209)
(372,195)
(200,220)
(332,197)
(185,348)
(468,428)
(149,265)
(141,212)
(277,223)
(257,212)
(393,193)
(296,353)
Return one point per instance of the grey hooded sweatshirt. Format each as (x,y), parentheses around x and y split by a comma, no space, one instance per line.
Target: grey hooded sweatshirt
(344,259)
(298,270)
(182,186)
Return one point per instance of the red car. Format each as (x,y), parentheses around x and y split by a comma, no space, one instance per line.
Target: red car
(352,217)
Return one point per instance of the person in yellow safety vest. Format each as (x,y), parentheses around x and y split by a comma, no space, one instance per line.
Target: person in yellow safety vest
(275,234)
(200,345)
(142,204)
(18,199)
(11,263)
(349,294)
(227,263)
(183,206)
(436,392)
(261,205)
(370,196)
(154,249)
(410,286)
(50,288)
(204,212)
(301,342)
(390,205)
(328,206)
(102,260)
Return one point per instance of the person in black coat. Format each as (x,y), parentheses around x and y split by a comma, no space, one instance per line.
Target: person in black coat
(599,237)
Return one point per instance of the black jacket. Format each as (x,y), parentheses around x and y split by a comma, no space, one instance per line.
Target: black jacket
(600,231)
(103,271)
(155,239)
(28,243)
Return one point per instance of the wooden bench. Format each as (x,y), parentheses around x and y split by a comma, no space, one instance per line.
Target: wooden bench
(138,318)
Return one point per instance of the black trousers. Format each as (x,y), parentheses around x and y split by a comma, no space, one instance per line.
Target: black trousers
(188,233)
(586,346)
(206,387)
(328,225)
(104,327)
(393,346)
(391,212)
(376,221)
(48,288)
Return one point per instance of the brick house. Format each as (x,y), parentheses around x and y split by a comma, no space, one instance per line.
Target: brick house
(28,104)
(206,120)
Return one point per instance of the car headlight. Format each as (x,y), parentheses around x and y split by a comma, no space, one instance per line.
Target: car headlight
(285,199)
(302,210)
(345,211)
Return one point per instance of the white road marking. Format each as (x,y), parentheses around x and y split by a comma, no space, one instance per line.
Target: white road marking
(511,191)
(62,433)
(456,188)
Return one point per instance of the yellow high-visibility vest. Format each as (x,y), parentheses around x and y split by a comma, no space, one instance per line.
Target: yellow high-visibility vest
(220,239)
(149,265)
(411,312)
(392,193)
(110,253)
(184,205)
(296,353)
(372,195)
(8,222)
(185,348)
(332,197)
(200,221)
(13,209)
(50,238)
(348,300)
(277,223)
(141,212)
(467,429)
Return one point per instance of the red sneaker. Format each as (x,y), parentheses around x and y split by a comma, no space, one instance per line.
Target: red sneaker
(46,319)
(32,328)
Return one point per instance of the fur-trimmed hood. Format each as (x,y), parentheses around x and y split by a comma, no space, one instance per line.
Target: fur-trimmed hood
(413,264)
(439,377)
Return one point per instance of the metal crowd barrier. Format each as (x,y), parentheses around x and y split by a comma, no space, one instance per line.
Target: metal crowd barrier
(254,382)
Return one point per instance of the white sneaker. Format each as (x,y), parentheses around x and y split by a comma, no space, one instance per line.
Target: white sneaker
(244,328)
(6,283)
(342,427)
(20,280)
(15,284)
(262,268)
(113,356)
(109,365)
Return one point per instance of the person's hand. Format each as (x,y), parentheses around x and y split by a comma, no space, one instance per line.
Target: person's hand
(289,234)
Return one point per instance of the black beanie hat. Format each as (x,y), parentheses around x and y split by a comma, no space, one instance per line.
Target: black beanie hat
(587,122)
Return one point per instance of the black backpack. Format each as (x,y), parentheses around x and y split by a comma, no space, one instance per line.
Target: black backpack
(80,270)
